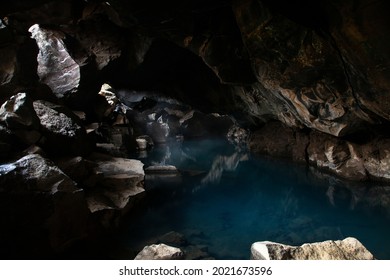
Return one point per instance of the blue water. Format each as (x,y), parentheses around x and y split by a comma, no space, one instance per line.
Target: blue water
(226,200)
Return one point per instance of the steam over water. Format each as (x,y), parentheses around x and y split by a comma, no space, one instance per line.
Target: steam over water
(227,199)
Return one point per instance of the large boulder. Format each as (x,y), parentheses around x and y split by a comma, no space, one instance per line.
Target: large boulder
(43,210)
(160,252)
(63,133)
(118,183)
(347,249)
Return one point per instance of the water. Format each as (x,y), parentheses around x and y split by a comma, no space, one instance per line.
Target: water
(226,200)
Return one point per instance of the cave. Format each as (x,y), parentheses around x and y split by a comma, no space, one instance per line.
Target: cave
(198,128)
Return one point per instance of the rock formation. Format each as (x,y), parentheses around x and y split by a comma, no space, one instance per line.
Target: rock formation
(347,249)
(160,252)
(309,81)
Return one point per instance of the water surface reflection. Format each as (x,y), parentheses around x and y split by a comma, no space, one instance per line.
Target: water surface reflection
(231,199)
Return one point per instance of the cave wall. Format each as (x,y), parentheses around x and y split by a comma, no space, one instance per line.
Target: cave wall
(320,65)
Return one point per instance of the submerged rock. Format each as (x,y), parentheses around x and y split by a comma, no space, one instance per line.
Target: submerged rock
(160,252)
(347,249)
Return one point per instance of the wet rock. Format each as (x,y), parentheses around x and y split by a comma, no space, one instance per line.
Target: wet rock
(61,128)
(347,249)
(160,252)
(43,210)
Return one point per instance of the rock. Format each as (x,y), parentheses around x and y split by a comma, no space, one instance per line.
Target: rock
(115,140)
(160,252)
(77,168)
(339,156)
(238,136)
(267,140)
(43,209)
(196,124)
(119,181)
(18,112)
(142,144)
(158,130)
(100,39)
(375,158)
(350,160)
(34,150)
(56,67)
(164,169)
(162,176)
(7,64)
(347,249)
(63,132)
(19,116)
(109,94)
(300,70)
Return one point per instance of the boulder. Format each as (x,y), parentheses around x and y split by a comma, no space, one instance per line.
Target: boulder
(347,249)
(118,183)
(63,133)
(18,115)
(160,252)
(43,210)
(109,95)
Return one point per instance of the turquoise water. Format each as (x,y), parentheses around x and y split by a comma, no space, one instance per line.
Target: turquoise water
(226,200)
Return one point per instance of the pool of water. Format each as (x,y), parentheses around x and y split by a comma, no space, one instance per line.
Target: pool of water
(227,199)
